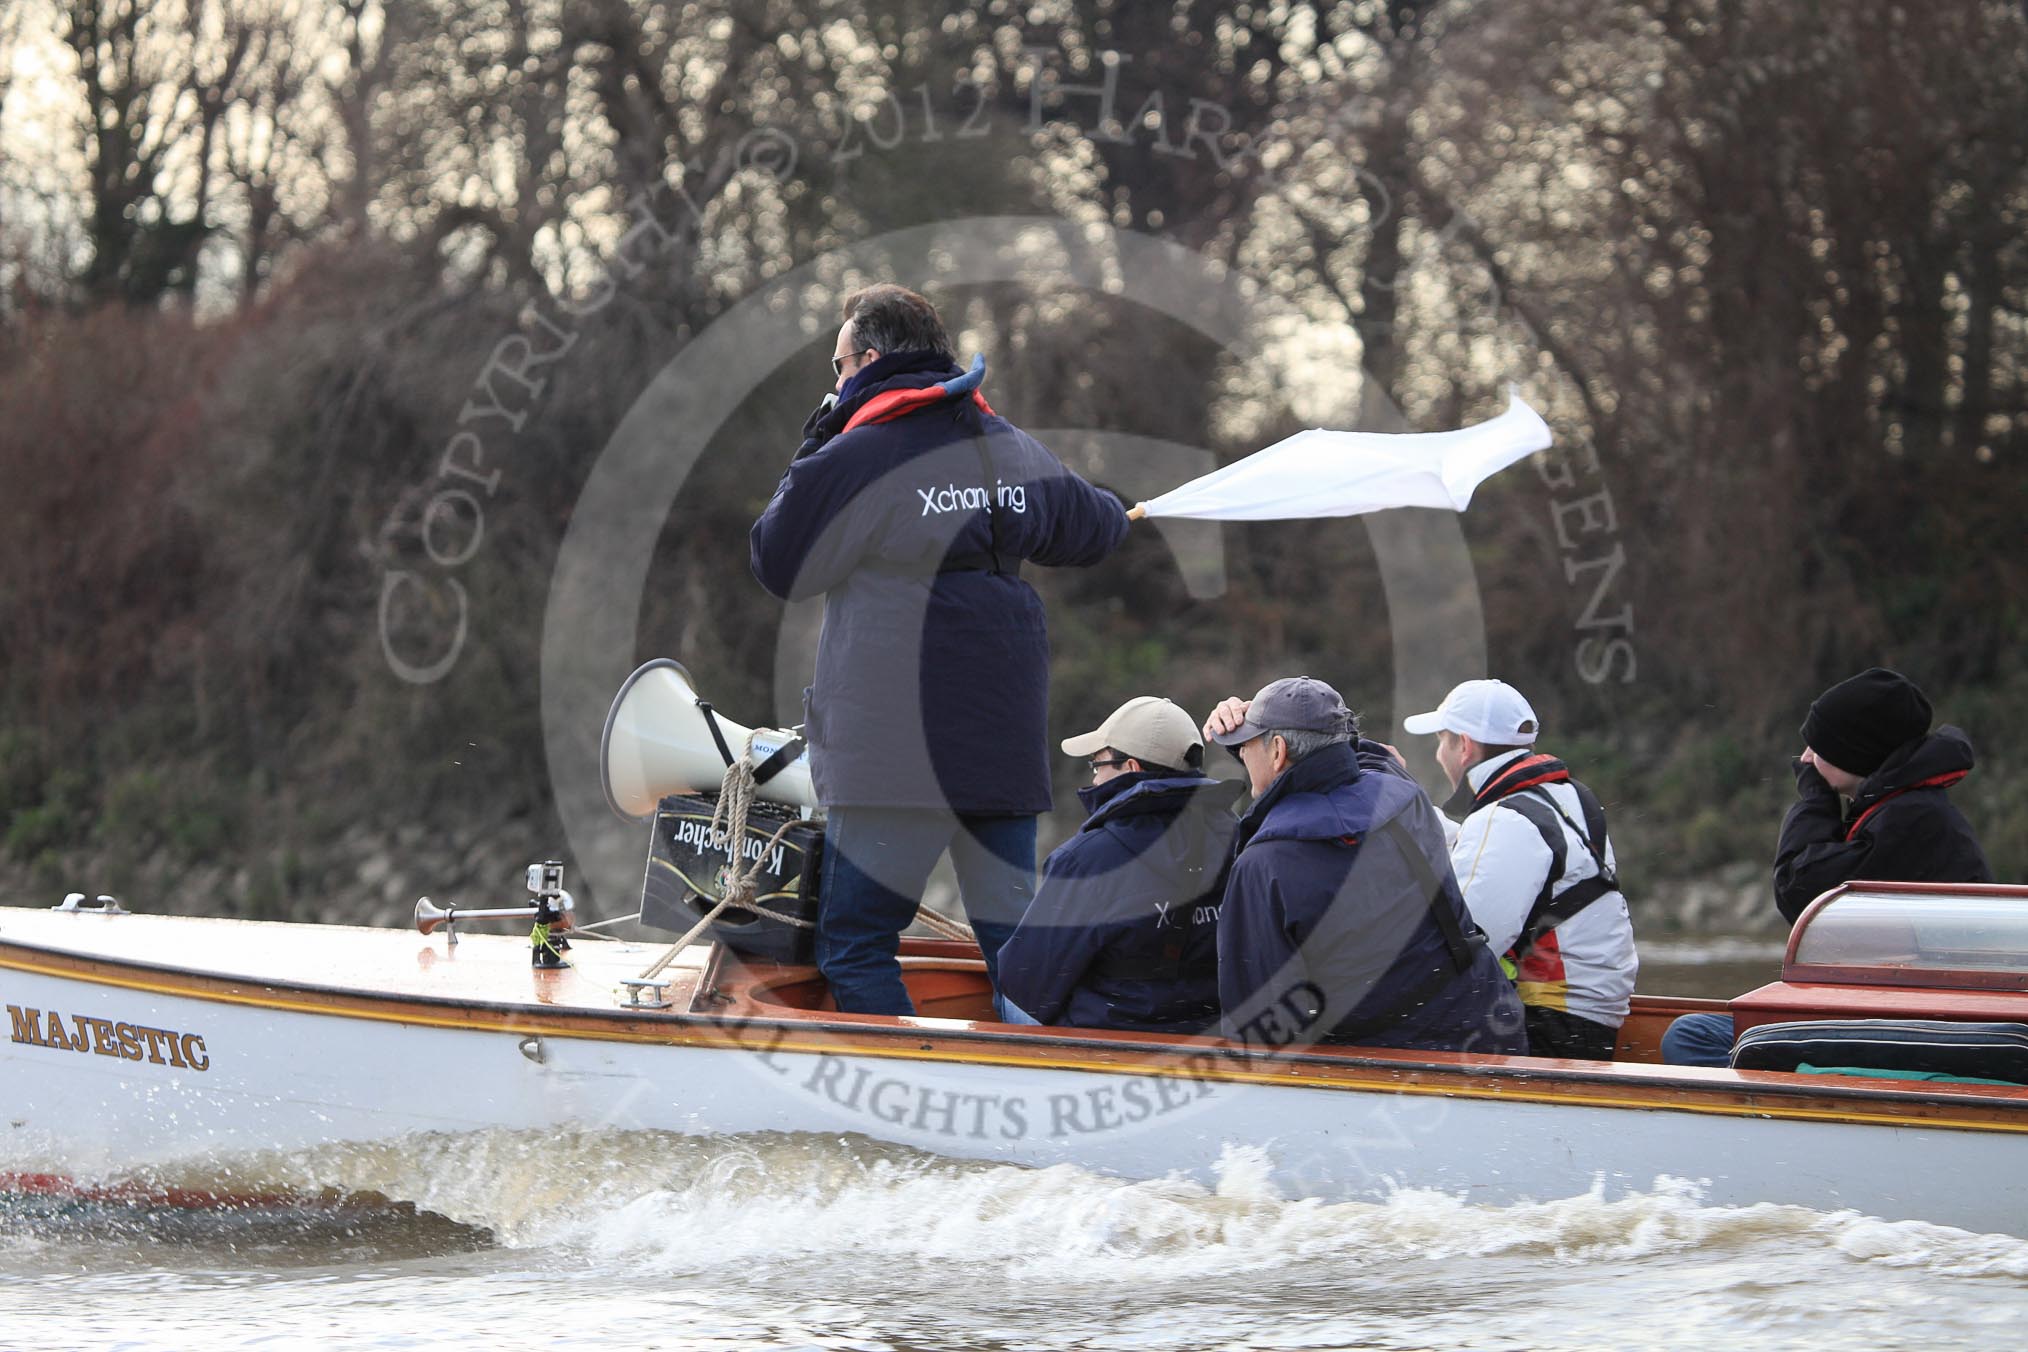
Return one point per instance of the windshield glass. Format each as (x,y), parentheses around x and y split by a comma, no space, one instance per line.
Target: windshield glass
(1977,932)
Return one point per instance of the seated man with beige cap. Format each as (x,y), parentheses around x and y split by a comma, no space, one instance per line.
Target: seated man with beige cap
(1123,931)
(1537,870)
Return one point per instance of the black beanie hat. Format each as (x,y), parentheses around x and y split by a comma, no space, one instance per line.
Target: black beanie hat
(1858,723)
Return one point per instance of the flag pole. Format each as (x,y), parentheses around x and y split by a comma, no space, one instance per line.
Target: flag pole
(1137,511)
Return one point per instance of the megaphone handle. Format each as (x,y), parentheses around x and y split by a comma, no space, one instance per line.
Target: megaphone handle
(717,737)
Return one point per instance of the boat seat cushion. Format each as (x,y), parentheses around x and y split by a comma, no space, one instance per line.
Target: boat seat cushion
(1926,1076)
(1987,1051)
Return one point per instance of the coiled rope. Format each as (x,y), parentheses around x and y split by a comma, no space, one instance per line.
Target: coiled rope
(735,802)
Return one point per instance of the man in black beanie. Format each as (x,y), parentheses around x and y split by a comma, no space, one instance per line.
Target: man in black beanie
(1866,742)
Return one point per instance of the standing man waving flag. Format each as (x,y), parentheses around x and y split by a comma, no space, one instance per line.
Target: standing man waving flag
(910,507)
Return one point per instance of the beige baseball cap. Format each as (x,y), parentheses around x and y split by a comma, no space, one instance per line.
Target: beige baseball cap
(1153,730)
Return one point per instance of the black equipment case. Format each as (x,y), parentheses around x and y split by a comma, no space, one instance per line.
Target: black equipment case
(687,869)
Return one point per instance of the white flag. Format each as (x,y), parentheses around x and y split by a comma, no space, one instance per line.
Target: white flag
(1326,473)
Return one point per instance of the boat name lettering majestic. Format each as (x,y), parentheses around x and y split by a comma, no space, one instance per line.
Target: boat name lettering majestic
(697,832)
(103,1037)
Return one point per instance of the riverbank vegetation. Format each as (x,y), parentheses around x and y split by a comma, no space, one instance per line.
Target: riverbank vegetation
(1761,266)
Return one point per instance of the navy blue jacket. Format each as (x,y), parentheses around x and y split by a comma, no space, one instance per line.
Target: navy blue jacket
(1123,931)
(1904,827)
(932,681)
(1326,934)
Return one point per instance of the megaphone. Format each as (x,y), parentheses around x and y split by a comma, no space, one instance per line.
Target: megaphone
(661,739)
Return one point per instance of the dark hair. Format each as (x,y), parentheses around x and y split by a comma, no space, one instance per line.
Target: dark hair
(889,318)
(1492,751)
(1194,758)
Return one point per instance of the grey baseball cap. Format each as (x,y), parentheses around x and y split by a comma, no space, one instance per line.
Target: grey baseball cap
(1295,704)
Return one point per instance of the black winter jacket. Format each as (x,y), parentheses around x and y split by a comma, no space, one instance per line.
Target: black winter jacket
(1903,826)
(1123,931)
(932,680)
(1327,933)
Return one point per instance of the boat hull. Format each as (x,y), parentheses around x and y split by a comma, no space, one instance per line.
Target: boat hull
(117,1066)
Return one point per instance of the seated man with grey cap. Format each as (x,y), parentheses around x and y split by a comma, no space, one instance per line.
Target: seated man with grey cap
(1341,921)
(1123,930)
(1537,870)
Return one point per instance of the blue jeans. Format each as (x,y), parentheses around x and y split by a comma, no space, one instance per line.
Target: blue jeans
(1010,1012)
(1699,1040)
(876,860)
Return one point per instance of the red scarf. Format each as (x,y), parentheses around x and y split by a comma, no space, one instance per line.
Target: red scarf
(892,404)
(1942,781)
(1524,773)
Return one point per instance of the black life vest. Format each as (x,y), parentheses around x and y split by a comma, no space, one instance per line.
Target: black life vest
(1520,787)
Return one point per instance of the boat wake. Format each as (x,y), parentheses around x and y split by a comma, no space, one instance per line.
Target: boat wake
(770,1204)
(135,1227)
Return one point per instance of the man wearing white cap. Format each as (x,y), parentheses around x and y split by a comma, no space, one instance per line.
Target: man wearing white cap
(1123,931)
(1537,870)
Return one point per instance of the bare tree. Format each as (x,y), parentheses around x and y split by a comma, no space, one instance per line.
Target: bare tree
(11,20)
(135,66)
(272,140)
(364,74)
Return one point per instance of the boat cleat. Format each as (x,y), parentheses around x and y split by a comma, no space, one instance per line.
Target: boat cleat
(79,904)
(645,993)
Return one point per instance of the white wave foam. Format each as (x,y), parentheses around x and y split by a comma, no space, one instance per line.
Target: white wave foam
(1936,1248)
(673,1204)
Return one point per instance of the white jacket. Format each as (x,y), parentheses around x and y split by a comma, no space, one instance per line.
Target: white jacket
(1586,965)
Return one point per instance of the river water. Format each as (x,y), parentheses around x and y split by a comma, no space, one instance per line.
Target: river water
(511,1239)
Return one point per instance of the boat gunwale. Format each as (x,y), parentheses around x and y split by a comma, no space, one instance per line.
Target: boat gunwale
(1455,1074)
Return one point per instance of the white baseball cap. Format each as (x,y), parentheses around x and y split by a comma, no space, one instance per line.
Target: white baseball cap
(1149,728)
(1489,712)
